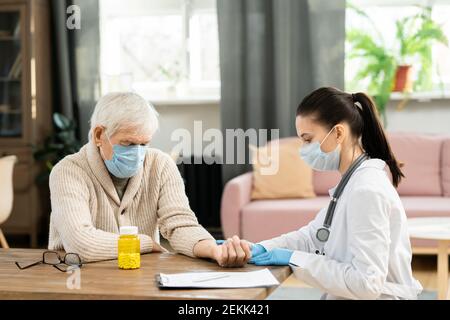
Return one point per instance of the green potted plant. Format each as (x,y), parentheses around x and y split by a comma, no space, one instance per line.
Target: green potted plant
(379,69)
(386,69)
(416,35)
(58,145)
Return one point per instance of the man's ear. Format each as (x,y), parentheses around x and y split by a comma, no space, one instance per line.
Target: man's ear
(97,135)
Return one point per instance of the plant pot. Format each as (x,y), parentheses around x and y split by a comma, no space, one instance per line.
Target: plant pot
(403,78)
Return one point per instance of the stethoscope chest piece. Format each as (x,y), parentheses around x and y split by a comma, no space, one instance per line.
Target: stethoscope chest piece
(323,234)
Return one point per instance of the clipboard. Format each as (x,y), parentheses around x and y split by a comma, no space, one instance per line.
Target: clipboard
(216,280)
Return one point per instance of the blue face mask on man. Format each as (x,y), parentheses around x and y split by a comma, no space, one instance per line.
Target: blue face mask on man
(319,160)
(126,160)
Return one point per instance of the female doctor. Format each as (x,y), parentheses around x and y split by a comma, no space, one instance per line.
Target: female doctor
(361,249)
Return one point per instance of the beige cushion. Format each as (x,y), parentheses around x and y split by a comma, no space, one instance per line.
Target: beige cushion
(286,176)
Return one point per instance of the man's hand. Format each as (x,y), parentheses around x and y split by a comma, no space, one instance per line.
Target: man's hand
(232,253)
(256,248)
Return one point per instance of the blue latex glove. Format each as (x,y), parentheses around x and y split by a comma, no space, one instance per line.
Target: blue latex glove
(275,257)
(257,249)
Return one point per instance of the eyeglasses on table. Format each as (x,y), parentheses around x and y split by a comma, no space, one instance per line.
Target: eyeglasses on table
(54,259)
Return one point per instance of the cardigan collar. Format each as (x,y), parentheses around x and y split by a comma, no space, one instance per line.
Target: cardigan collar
(101,173)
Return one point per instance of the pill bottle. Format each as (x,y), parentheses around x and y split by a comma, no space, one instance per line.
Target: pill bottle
(129,248)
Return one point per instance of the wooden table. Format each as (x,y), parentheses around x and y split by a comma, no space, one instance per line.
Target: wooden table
(104,280)
(435,229)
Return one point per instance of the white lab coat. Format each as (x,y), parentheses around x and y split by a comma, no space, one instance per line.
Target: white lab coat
(368,254)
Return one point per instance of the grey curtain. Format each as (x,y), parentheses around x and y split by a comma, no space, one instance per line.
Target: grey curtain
(77,60)
(273,53)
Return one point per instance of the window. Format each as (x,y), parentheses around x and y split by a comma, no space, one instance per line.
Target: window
(384,14)
(163,49)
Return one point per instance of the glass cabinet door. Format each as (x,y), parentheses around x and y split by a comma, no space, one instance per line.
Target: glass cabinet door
(10,75)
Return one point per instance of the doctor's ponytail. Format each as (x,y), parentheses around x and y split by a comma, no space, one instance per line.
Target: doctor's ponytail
(373,138)
(331,106)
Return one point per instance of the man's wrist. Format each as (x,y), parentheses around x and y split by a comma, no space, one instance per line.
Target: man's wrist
(205,248)
(211,248)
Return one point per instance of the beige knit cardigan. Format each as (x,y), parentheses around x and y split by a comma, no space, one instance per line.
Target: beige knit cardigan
(87,212)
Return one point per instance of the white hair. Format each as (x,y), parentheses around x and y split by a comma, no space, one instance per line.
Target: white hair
(122,110)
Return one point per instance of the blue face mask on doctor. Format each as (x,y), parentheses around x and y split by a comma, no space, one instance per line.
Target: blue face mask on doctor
(319,160)
(126,160)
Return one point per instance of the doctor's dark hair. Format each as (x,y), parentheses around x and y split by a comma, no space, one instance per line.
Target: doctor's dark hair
(330,106)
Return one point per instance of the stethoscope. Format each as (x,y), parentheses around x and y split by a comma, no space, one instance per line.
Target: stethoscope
(323,233)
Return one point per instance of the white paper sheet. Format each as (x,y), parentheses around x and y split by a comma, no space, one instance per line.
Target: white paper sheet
(251,279)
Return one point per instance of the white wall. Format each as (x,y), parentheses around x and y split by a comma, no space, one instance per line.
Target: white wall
(176,116)
(431,116)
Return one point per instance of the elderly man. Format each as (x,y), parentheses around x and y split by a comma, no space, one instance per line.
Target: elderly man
(116,180)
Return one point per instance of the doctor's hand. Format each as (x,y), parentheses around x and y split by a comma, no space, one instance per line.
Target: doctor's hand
(275,257)
(233,252)
(256,248)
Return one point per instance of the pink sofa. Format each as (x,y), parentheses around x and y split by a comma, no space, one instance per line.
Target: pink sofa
(424,192)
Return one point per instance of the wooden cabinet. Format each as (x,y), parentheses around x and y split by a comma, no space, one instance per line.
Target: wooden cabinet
(25,105)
